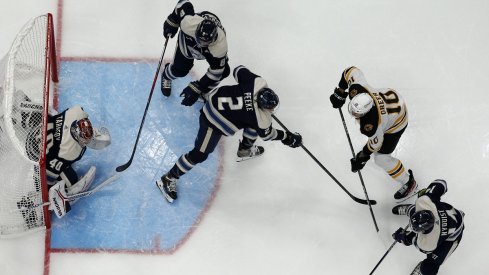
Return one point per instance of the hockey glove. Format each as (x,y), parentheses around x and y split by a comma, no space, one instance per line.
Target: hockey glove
(358,162)
(170,28)
(338,98)
(404,237)
(191,93)
(292,140)
(422,192)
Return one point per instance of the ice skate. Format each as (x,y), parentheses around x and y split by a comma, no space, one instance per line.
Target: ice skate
(168,186)
(249,153)
(165,86)
(402,209)
(407,190)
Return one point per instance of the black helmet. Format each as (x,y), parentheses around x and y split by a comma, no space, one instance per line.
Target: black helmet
(422,221)
(267,99)
(206,32)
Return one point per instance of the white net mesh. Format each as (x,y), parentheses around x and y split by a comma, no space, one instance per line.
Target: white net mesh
(24,95)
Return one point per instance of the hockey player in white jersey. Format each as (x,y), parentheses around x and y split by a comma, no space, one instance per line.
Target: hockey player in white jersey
(69,133)
(201,37)
(383,117)
(248,105)
(437,227)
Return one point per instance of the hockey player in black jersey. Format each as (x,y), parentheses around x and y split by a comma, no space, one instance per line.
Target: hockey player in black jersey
(201,37)
(248,105)
(437,227)
(69,133)
(383,118)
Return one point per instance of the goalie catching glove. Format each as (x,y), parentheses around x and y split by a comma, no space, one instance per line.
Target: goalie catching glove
(101,138)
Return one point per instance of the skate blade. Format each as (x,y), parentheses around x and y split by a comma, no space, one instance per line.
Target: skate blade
(240,159)
(415,193)
(162,190)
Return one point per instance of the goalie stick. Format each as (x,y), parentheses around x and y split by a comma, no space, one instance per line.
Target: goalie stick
(94,190)
(128,163)
(362,201)
(75,196)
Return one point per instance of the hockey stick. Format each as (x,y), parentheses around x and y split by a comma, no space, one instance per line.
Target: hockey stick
(387,252)
(359,173)
(362,201)
(94,190)
(77,195)
(127,164)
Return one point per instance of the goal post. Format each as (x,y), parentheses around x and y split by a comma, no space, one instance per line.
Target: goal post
(27,72)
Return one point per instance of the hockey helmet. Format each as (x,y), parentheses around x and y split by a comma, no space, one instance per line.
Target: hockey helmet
(82,131)
(422,221)
(206,32)
(360,105)
(267,99)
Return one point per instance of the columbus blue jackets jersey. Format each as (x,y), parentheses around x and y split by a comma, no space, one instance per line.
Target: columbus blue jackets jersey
(231,108)
(449,222)
(215,54)
(62,149)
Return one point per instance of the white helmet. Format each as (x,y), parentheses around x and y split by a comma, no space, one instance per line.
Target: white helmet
(360,105)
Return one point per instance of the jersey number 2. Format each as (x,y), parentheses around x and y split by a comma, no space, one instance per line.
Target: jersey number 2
(222,101)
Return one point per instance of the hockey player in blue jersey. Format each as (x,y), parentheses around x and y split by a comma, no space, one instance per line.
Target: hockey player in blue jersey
(437,227)
(248,105)
(201,37)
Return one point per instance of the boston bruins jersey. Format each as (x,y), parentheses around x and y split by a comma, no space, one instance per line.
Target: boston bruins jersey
(449,222)
(389,114)
(230,108)
(215,54)
(62,149)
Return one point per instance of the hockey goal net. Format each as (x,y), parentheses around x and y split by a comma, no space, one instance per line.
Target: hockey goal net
(26,73)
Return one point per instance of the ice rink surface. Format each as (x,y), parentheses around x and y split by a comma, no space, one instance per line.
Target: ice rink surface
(279,214)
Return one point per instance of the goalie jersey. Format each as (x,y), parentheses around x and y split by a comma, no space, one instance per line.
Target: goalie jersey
(62,149)
(230,108)
(388,116)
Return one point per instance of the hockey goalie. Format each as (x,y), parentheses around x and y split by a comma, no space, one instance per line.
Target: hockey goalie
(69,134)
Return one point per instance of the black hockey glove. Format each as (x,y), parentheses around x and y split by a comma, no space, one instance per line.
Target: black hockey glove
(338,98)
(358,162)
(404,237)
(191,93)
(292,140)
(170,28)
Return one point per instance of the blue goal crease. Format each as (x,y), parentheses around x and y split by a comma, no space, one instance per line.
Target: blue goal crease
(131,213)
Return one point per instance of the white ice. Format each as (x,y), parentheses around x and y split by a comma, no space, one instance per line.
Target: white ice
(281,214)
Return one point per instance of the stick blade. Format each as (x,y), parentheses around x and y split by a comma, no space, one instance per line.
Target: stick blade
(123,167)
(372,202)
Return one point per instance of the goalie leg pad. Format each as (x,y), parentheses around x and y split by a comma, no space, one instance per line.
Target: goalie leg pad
(57,198)
(84,183)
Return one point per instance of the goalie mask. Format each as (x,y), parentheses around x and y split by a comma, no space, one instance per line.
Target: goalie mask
(82,131)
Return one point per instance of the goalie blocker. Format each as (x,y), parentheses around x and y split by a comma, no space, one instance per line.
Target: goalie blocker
(59,193)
